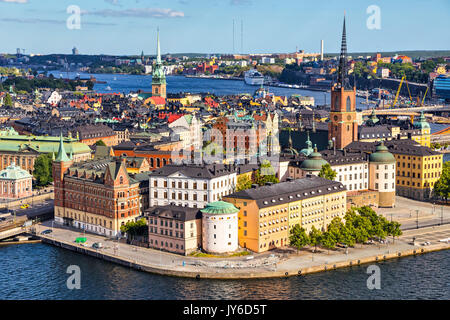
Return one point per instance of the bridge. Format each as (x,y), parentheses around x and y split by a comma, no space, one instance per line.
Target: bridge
(409,111)
(12,233)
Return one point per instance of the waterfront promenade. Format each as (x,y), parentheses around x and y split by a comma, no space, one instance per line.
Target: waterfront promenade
(273,264)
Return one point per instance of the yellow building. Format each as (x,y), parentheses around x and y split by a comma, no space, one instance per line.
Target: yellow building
(418,169)
(268,213)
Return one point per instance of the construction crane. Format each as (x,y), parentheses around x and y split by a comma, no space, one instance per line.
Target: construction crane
(398,92)
(423,99)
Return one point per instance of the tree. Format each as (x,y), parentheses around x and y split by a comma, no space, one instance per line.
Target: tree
(393,229)
(7,102)
(100,143)
(243,183)
(132,229)
(298,237)
(328,240)
(442,186)
(315,237)
(266,173)
(43,170)
(327,173)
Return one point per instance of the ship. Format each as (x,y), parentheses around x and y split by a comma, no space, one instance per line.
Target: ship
(254,78)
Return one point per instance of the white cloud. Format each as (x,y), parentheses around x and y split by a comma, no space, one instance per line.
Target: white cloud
(51,21)
(138,13)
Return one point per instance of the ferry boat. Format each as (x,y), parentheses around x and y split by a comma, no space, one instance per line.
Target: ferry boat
(253,77)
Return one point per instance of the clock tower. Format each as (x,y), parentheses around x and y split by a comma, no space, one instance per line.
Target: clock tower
(343,126)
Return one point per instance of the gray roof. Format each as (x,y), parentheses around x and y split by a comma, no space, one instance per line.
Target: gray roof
(174,212)
(204,171)
(284,192)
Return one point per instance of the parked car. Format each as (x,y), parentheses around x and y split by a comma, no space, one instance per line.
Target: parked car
(25,206)
(46,231)
(97,245)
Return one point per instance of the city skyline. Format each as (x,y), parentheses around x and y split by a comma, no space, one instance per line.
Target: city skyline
(128,27)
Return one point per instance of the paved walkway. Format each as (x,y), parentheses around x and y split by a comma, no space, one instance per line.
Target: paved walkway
(262,265)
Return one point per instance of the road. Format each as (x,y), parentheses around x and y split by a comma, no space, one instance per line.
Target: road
(408,212)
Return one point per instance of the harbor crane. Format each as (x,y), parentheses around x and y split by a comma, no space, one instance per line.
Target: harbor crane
(398,91)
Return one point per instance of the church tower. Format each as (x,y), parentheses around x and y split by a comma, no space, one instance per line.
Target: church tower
(343,126)
(59,167)
(158,76)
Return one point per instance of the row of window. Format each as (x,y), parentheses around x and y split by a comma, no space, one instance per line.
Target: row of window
(426,175)
(414,184)
(167,244)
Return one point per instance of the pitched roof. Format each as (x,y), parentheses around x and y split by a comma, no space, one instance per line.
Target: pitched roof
(284,192)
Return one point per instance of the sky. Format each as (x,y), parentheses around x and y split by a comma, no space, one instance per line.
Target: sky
(121,27)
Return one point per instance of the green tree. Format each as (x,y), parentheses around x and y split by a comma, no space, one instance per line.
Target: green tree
(132,229)
(243,183)
(393,229)
(43,170)
(100,143)
(328,240)
(266,173)
(442,186)
(7,101)
(315,237)
(327,173)
(298,237)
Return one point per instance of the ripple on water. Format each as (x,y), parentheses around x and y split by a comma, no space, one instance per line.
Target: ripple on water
(38,271)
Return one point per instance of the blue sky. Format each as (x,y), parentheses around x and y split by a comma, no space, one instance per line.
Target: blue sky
(206,26)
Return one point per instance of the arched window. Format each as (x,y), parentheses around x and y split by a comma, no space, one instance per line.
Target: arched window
(121,180)
(336,102)
(158,163)
(349,104)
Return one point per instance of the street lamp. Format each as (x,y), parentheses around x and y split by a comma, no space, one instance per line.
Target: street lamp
(417,218)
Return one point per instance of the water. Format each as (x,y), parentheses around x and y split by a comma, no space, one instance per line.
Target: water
(38,271)
(125,83)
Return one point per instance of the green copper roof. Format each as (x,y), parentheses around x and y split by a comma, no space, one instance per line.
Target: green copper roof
(13,172)
(220,207)
(40,144)
(158,76)
(62,155)
(309,149)
(382,155)
(422,123)
(314,162)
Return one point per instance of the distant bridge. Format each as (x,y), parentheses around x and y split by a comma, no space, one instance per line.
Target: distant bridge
(411,111)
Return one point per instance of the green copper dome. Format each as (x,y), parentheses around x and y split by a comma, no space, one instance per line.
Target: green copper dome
(382,155)
(220,207)
(422,123)
(314,162)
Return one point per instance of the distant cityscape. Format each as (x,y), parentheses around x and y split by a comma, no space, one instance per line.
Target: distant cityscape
(202,175)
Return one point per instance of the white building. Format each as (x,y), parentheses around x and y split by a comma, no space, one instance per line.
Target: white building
(189,128)
(382,175)
(54,98)
(267,60)
(220,227)
(190,185)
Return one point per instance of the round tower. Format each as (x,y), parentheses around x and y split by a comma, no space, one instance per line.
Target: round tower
(220,227)
(382,175)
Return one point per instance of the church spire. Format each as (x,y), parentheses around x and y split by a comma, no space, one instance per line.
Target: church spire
(158,50)
(342,70)
(62,155)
